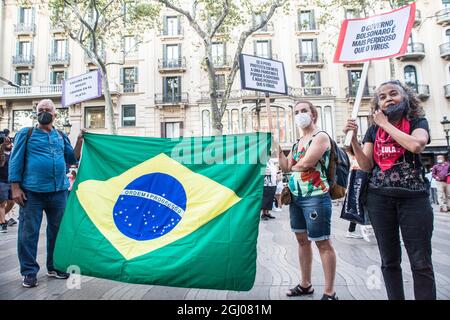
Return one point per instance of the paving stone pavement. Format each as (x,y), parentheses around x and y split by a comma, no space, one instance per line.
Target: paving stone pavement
(277,269)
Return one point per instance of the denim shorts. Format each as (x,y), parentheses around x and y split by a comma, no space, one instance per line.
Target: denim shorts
(311,215)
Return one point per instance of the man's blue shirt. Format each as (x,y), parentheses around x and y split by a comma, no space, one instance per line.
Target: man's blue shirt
(40,164)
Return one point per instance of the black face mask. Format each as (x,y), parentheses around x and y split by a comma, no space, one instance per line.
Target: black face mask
(396,112)
(45,118)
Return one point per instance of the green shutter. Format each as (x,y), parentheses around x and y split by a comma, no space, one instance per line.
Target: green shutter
(269,45)
(312,20)
(33,15)
(254,48)
(179,25)
(30,78)
(136,75)
(315,54)
(318,80)
(122,71)
(165,31)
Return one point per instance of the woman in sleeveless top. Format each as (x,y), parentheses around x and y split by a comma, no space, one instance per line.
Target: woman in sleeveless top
(310,208)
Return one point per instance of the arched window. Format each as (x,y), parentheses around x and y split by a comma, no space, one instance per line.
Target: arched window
(234,121)
(411,77)
(325,119)
(206,123)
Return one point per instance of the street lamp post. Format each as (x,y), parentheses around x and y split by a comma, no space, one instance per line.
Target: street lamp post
(446,124)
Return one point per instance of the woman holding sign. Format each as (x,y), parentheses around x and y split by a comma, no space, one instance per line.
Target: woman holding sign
(398,193)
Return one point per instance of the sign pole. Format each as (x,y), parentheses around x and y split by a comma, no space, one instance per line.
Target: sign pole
(362,84)
(269,112)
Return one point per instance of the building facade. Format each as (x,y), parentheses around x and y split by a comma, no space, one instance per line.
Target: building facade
(162,89)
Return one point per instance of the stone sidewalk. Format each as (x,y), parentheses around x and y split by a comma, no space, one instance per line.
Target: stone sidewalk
(358,273)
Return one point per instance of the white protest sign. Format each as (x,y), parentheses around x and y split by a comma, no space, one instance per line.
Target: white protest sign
(378,37)
(260,74)
(81,88)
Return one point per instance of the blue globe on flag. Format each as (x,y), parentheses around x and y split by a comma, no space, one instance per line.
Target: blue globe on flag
(150,206)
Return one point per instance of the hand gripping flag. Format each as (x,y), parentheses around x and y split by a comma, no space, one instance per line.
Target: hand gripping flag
(176,212)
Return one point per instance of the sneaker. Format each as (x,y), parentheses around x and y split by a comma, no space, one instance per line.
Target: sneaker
(264,217)
(365,231)
(3,227)
(30,281)
(270,216)
(353,235)
(58,274)
(277,209)
(327,297)
(11,222)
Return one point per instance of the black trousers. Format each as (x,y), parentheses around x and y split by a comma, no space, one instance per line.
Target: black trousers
(414,217)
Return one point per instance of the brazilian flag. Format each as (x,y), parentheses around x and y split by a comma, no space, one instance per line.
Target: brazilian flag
(175,212)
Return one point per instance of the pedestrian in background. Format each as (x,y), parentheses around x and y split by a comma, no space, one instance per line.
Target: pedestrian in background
(440,172)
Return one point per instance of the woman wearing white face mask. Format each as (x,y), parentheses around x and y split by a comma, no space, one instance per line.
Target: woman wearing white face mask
(310,208)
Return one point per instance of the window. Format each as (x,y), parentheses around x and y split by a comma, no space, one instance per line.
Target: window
(172,55)
(172,26)
(206,123)
(411,77)
(129,45)
(263,48)
(351,14)
(306,20)
(26,16)
(172,129)
(325,119)
(94,117)
(62,114)
(308,50)
(57,77)
(129,115)
(22,118)
(172,89)
(220,79)
(60,48)
(218,53)
(128,78)
(24,49)
(353,80)
(23,79)
(311,80)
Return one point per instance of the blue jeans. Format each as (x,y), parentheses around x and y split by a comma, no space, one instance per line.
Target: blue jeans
(414,217)
(311,215)
(30,218)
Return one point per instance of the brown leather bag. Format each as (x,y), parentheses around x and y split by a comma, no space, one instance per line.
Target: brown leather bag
(286,196)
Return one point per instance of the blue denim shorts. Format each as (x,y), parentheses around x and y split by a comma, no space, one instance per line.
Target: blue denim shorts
(311,215)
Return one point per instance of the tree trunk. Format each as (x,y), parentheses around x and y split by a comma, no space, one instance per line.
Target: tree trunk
(109,108)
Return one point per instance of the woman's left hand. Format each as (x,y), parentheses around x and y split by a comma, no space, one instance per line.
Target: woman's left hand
(380,118)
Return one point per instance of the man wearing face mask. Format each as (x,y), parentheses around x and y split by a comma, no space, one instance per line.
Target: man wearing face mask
(5,187)
(37,173)
(439,172)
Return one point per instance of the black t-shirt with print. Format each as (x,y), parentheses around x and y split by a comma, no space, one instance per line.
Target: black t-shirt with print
(406,178)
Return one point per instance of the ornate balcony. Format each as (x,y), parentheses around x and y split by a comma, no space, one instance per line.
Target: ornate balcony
(306,28)
(222,62)
(129,88)
(172,65)
(443,17)
(310,91)
(59,59)
(171,99)
(306,61)
(23,61)
(350,93)
(53,90)
(25,29)
(169,34)
(445,51)
(422,90)
(414,51)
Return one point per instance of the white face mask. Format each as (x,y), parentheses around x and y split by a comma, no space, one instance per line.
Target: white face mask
(303,120)
(440,161)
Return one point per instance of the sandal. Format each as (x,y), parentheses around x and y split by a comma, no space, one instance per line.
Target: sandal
(300,291)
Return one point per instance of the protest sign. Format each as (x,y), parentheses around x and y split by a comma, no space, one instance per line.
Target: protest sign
(81,88)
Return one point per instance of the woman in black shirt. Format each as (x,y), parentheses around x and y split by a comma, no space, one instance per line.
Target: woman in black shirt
(398,193)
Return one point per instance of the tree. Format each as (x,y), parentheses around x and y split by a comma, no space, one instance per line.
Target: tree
(208,18)
(100,25)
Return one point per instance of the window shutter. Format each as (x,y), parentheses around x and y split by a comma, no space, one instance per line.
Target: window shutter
(65,75)
(33,14)
(53,48)
(225,51)
(16,78)
(179,86)
(30,79)
(31,49)
(254,48)
(299,20)
(163,129)
(19,15)
(302,74)
(179,54)
(181,128)
(136,75)
(51,77)
(300,48)
(178,25)
(122,71)
(165,26)
(164,55)
(269,45)
(312,20)
(18,48)
(315,54)
(318,80)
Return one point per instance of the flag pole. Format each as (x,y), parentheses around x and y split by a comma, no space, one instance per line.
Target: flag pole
(269,118)
(362,84)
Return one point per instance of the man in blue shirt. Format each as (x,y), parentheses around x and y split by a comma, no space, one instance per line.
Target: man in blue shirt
(37,173)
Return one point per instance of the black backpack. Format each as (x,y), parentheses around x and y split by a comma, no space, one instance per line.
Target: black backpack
(338,170)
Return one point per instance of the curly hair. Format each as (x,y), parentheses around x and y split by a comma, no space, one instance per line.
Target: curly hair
(415,109)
